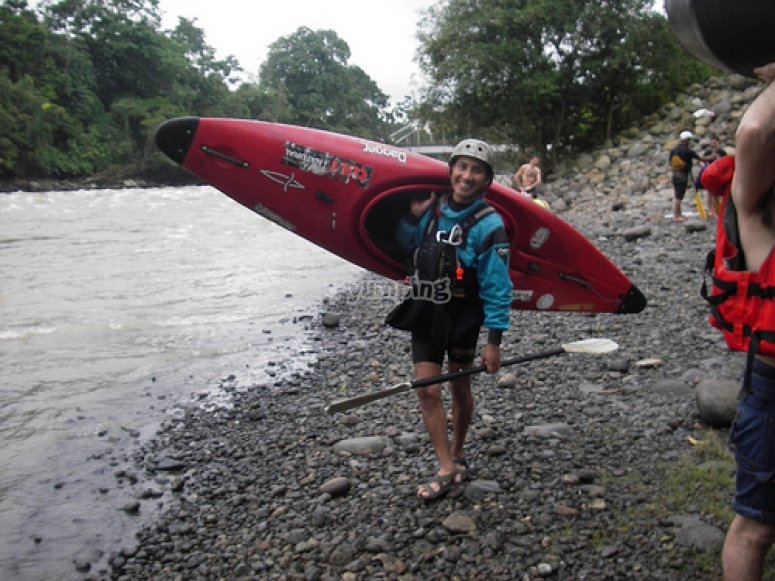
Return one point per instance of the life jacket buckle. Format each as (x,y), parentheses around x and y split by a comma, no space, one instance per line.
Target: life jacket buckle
(454,237)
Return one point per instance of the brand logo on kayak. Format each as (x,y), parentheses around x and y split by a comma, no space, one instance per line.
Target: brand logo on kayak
(282,179)
(326,164)
(539,238)
(380,149)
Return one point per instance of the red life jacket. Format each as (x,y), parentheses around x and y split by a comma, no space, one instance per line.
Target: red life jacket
(742,303)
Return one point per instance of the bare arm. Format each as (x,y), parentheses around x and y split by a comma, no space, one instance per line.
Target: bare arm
(539,177)
(518,176)
(755,148)
(755,174)
(712,156)
(491,357)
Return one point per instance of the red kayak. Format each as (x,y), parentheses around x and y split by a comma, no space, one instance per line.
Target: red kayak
(347,194)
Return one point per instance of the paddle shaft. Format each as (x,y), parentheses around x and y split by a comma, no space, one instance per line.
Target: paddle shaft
(479,368)
(357,401)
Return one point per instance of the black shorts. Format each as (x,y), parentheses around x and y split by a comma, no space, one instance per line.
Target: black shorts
(680,183)
(465,322)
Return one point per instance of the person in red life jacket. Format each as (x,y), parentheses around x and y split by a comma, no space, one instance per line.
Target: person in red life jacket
(710,154)
(475,292)
(680,160)
(747,264)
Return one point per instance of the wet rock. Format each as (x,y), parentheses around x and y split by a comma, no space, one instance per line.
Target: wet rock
(479,489)
(549,430)
(336,486)
(459,523)
(507,380)
(170,465)
(691,531)
(717,401)
(364,445)
(635,233)
(695,226)
(131,507)
(331,320)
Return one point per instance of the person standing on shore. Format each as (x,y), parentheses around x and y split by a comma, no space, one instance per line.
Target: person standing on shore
(465,225)
(680,159)
(528,177)
(713,151)
(752,531)
(710,154)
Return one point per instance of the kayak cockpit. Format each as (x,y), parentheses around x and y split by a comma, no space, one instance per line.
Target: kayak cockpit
(380,220)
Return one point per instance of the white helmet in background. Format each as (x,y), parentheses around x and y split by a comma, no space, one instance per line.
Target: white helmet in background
(686,135)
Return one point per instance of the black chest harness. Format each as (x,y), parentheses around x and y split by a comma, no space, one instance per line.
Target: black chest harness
(437,259)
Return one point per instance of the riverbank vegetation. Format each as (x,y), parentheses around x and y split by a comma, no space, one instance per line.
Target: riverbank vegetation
(83,85)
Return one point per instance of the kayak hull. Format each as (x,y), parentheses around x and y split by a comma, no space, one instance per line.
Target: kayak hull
(347,194)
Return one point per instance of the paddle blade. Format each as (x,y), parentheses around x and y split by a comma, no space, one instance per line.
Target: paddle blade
(359,400)
(591,346)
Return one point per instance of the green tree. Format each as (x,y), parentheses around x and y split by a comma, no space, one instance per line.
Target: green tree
(129,56)
(141,74)
(249,101)
(47,100)
(310,69)
(203,83)
(557,74)
(22,38)
(84,88)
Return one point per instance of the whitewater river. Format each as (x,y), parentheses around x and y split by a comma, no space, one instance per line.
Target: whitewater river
(117,308)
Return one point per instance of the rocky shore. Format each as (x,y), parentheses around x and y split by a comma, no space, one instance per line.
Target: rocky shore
(570,454)
(563,449)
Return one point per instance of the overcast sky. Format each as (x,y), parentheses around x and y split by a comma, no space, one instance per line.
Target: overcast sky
(381,35)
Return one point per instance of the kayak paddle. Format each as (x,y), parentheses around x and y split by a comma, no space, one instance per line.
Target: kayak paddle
(587,346)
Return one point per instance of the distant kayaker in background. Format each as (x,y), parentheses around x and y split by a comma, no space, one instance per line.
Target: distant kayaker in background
(710,154)
(714,150)
(473,290)
(680,160)
(528,177)
(752,531)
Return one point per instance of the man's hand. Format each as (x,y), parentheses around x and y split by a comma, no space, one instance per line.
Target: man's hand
(491,357)
(418,207)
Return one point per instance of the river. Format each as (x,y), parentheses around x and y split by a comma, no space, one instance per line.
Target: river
(117,309)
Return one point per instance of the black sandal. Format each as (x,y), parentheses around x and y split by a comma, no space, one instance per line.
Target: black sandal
(445,484)
(465,473)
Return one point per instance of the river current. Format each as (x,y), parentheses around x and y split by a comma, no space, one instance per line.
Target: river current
(117,309)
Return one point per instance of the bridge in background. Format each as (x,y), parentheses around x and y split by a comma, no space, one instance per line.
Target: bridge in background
(447,149)
(415,130)
(429,149)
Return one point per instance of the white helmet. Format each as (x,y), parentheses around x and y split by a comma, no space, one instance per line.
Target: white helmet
(478,150)
(686,135)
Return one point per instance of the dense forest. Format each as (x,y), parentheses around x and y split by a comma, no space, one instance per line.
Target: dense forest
(84,83)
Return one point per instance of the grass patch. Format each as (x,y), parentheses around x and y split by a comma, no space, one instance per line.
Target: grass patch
(701,481)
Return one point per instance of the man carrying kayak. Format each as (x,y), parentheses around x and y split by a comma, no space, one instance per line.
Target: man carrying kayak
(459,230)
